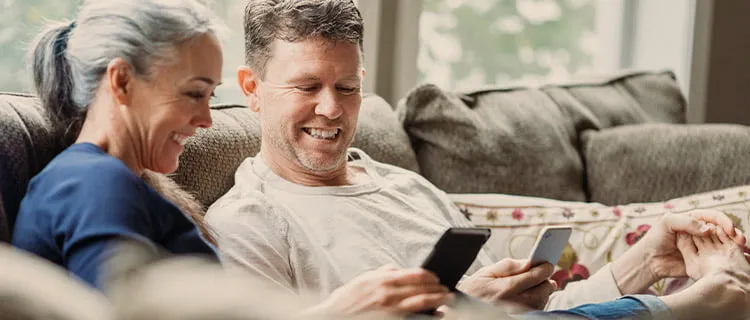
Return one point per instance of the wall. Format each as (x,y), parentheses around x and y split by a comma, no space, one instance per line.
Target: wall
(720,77)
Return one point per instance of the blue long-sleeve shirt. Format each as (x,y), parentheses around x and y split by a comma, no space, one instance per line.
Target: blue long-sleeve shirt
(84,200)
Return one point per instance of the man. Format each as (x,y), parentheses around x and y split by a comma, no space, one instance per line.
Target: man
(310,214)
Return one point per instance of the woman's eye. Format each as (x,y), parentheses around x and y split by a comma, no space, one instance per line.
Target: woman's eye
(195,95)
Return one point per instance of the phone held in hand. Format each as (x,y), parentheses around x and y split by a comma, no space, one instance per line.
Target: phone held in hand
(550,244)
(454,253)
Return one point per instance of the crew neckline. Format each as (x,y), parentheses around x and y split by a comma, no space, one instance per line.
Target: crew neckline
(356,158)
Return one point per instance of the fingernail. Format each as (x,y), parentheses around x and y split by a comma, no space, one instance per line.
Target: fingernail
(704,227)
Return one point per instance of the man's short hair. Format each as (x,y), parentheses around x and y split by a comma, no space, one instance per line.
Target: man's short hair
(297,20)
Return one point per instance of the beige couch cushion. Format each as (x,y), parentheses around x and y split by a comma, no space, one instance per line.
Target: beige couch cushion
(210,159)
(524,141)
(656,162)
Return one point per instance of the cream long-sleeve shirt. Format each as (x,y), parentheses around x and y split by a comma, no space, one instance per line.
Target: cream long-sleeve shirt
(315,239)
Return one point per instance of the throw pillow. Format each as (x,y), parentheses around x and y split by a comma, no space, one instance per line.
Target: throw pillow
(494,142)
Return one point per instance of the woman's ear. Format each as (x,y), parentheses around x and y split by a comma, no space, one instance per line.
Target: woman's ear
(248,81)
(120,78)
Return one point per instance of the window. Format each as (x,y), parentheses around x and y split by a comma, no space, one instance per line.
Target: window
(21,20)
(477,42)
(19,23)
(452,43)
(469,43)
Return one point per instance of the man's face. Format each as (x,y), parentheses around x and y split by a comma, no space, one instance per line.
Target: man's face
(309,103)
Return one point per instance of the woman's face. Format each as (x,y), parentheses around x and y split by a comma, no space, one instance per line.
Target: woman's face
(167,108)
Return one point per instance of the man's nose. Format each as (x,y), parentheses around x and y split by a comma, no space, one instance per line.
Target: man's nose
(328,104)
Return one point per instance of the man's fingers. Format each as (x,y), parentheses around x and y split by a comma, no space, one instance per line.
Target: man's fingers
(536,297)
(519,283)
(423,302)
(412,276)
(505,268)
(543,270)
(394,295)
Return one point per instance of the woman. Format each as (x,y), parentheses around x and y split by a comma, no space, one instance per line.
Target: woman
(131,82)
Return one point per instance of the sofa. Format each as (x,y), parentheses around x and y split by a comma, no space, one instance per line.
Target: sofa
(608,154)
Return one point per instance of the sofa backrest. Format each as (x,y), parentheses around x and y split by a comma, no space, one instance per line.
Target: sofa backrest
(27,144)
(525,140)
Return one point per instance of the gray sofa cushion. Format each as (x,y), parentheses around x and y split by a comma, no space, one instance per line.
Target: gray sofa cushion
(210,159)
(525,141)
(494,142)
(626,98)
(27,144)
(212,156)
(657,162)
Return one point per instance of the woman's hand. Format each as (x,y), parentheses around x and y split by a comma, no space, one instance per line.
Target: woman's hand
(656,255)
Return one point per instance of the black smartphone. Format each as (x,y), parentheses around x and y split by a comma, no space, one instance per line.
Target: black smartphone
(454,253)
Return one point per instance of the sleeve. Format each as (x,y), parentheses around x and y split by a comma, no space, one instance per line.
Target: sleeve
(641,307)
(96,215)
(600,287)
(251,238)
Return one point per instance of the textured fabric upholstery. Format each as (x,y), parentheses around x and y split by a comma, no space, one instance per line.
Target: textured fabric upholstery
(657,162)
(525,141)
(27,144)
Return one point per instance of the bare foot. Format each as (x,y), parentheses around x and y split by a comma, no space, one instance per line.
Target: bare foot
(723,273)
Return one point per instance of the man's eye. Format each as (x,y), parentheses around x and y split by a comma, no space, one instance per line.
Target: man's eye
(347,90)
(307,88)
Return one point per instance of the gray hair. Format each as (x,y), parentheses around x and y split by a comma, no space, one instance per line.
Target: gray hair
(69,60)
(298,20)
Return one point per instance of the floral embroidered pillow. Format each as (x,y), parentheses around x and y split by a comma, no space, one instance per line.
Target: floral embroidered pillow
(601,233)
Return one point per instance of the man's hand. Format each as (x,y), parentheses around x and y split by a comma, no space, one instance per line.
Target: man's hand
(511,280)
(656,255)
(389,290)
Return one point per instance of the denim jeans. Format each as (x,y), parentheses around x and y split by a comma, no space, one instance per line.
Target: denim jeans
(644,307)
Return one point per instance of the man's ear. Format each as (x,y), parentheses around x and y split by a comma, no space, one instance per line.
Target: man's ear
(120,80)
(248,81)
